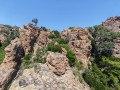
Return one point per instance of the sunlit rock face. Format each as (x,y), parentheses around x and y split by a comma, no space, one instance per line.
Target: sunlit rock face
(13,54)
(112,23)
(28,36)
(42,78)
(57,63)
(79,43)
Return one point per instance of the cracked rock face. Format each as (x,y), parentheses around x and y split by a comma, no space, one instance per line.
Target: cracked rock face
(113,23)
(79,43)
(57,63)
(42,40)
(28,36)
(13,54)
(41,78)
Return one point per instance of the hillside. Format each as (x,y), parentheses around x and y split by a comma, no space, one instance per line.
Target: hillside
(36,58)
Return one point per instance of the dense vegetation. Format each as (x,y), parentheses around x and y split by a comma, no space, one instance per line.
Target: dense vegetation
(105,71)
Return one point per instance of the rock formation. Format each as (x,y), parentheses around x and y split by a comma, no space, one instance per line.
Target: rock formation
(8,68)
(28,36)
(42,40)
(5,32)
(116,48)
(57,63)
(41,78)
(79,43)
(112,23)
(3,36)
(55,74)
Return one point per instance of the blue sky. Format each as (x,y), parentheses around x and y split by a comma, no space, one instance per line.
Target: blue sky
(58,14)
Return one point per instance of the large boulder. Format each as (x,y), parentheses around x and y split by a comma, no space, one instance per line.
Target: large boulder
(57,63)
(79,43)
(112,23)
(41,78)
(13,55)
(28,36)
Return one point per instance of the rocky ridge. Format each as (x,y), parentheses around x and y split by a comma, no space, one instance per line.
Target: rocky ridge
(11,63)
(56,73)
(112,23)
(28,36)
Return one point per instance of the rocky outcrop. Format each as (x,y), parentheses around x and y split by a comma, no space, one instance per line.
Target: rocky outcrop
(2,27)
(79,43)
(41,78)
(3,36)
(8,68)
(28,36)
(42,40)
(57,63)
(112,23)
(116,48)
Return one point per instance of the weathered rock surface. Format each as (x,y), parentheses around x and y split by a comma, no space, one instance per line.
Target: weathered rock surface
(8,68)
(116,48)
(57,63)
(42,40)
(79,43)
(5,32)
(3,36)
(112,23)
(28,36)
(41,78)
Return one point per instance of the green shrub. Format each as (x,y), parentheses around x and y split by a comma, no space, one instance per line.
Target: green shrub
(71,28)
(57,34)
(6,32)
(26,62)
(60,41)
(28,56)
(103,40)
(92,41)
(72,58)
(79,65)
(54,48)
(105,72)
(93,80)
(8,26)
(2,51)
(43,28)
(39,56)
(51,36)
